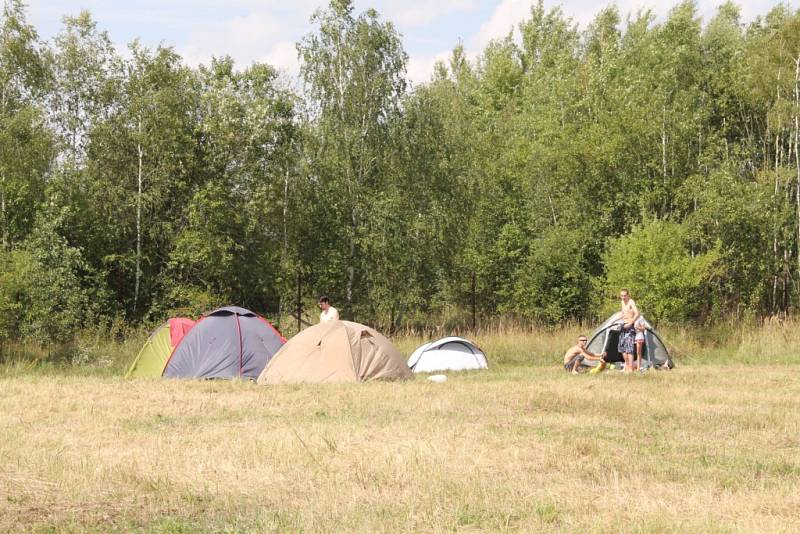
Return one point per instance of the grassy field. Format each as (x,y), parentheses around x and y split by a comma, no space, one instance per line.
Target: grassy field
(522,447)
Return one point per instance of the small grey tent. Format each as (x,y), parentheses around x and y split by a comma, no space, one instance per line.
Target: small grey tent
(606,338)
(230,342)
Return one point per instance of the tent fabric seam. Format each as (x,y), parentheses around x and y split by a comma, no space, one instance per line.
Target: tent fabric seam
(241,349)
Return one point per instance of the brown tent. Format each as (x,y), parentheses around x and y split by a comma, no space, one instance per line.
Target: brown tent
(336,351)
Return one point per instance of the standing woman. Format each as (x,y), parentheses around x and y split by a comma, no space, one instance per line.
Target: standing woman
(627,335)
(640,327)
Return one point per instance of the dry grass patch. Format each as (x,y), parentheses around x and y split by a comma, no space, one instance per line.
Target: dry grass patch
(510,449)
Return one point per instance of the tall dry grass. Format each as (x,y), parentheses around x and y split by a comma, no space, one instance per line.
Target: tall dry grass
(774,341)
(100,353)
(703,449)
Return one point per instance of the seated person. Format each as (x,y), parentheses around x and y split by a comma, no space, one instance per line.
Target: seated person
(575,356)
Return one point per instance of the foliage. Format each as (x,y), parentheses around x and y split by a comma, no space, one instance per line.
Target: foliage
(656,265)
(48,297)
(554,283)
(25,140)
(657,154)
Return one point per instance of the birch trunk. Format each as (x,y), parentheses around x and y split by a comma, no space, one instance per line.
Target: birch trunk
(285,250)
(140,178)
(4,220)
(340,87)
(664,157)
(351,270)
(796,146)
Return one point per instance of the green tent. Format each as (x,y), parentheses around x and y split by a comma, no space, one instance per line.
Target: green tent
(155,353)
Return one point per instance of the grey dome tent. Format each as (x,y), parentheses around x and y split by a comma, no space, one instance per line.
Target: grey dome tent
(229,342)
(606,338)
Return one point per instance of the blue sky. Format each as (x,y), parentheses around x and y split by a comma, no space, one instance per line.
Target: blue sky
(266,30)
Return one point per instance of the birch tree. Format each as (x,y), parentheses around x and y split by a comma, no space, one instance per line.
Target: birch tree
(353,68)
(25,139)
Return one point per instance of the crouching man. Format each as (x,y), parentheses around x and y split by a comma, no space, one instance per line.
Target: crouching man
(576,355)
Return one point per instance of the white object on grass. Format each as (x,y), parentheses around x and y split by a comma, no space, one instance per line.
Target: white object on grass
(438,378)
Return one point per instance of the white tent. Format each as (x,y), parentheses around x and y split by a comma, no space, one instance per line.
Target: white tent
(447,354)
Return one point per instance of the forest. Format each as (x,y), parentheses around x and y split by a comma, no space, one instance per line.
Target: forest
(530,183)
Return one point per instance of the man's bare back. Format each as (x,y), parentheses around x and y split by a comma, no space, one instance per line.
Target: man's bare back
(575,355)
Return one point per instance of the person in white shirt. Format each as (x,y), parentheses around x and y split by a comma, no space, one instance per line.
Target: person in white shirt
(329,313)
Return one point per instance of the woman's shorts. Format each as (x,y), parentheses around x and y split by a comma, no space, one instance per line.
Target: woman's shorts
(626,337)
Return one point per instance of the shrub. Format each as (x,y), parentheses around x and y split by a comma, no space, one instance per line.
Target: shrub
(553,283)
(655,263)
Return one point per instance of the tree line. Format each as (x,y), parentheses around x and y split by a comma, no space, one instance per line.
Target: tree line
(533,181)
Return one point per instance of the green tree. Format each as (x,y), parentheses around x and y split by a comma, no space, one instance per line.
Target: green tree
(26,146)
(353,68)
(141,172)
(553,283)
(86,71)
(656,264)
(52,299)
(249,213)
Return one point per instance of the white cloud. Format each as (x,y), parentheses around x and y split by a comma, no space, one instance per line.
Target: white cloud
(254,37)
(505,18)
(283,56)
(420,68)
(422,12)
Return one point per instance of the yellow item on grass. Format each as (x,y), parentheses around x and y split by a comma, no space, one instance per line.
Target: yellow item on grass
(598,369)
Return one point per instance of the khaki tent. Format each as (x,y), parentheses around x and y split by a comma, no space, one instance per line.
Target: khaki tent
(336,351)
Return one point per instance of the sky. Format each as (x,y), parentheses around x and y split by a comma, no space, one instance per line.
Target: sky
(267,30)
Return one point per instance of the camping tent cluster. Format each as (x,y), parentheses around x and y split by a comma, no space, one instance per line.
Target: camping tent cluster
(233,342)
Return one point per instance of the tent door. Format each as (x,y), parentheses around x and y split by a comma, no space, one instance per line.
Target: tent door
(612,342)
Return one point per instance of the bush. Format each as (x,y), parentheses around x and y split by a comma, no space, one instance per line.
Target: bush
(13,267)
(656,265)
(42,297)
(554,284)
